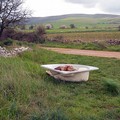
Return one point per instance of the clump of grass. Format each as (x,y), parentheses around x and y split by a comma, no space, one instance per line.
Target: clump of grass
(112,87)
(57,115)
(113,114)
(50,115)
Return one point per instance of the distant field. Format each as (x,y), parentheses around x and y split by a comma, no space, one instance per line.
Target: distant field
(85,24)
(100,22)
(108,41)
(83,29)
(88,36)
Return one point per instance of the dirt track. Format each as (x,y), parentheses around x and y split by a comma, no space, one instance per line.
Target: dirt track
(86,52)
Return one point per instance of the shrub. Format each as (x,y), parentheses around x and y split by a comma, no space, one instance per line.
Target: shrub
(38,36)
(19,35)
(9,33)
(72,26)
(8,42)
(40,30)
(31,27)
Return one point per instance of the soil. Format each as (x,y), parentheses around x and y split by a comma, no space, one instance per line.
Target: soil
(107,54)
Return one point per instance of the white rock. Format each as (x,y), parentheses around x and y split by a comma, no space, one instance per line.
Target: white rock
(9,53)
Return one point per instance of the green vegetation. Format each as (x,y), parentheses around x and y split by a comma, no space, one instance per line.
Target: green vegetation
(36,36)
(88,36)
(84,46)
(109,41)
(85,24)
(28,93)
(7,42)
(81,22)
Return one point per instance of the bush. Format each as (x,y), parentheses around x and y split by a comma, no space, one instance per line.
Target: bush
(33,37)
(31,27)
(8,42)
(38,36)
(40,30)
(8,33)
(72,26)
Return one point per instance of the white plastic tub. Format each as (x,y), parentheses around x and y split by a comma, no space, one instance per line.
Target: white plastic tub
(81,72)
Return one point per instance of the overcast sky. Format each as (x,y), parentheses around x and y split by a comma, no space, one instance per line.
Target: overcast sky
(43,8)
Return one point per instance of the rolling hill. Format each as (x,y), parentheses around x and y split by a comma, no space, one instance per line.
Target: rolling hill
(42,20)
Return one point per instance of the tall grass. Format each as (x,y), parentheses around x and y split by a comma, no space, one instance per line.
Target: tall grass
(28,93)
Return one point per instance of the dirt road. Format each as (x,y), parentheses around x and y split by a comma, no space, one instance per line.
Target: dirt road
(86,52)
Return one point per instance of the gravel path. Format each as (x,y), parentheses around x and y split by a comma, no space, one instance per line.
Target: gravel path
(85,52)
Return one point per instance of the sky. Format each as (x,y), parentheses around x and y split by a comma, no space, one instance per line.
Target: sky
(43,8)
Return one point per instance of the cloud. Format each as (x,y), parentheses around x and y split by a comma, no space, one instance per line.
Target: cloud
(87,3)
(105,5)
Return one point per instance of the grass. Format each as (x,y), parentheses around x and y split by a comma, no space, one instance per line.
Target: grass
(84,40)
(112,87)
(27,92)
(92,24)
(88,36)
(80,30)
(84,46)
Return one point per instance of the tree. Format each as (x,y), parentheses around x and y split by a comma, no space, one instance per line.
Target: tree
(31,27)
(11,13)
(72,26)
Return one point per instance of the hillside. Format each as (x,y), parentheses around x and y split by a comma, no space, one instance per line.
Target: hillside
(28,93)
(109,17)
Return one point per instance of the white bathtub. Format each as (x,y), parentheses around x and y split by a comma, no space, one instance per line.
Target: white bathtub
(81,72)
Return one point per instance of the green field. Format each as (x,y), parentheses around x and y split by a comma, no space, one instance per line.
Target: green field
(88,22)
(88,30)
(85,24)
(83,46)
(85,40)
(88,36)
(82,22)
(28,93)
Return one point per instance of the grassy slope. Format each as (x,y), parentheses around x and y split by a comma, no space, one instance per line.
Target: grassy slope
(26,92)
(81,23)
